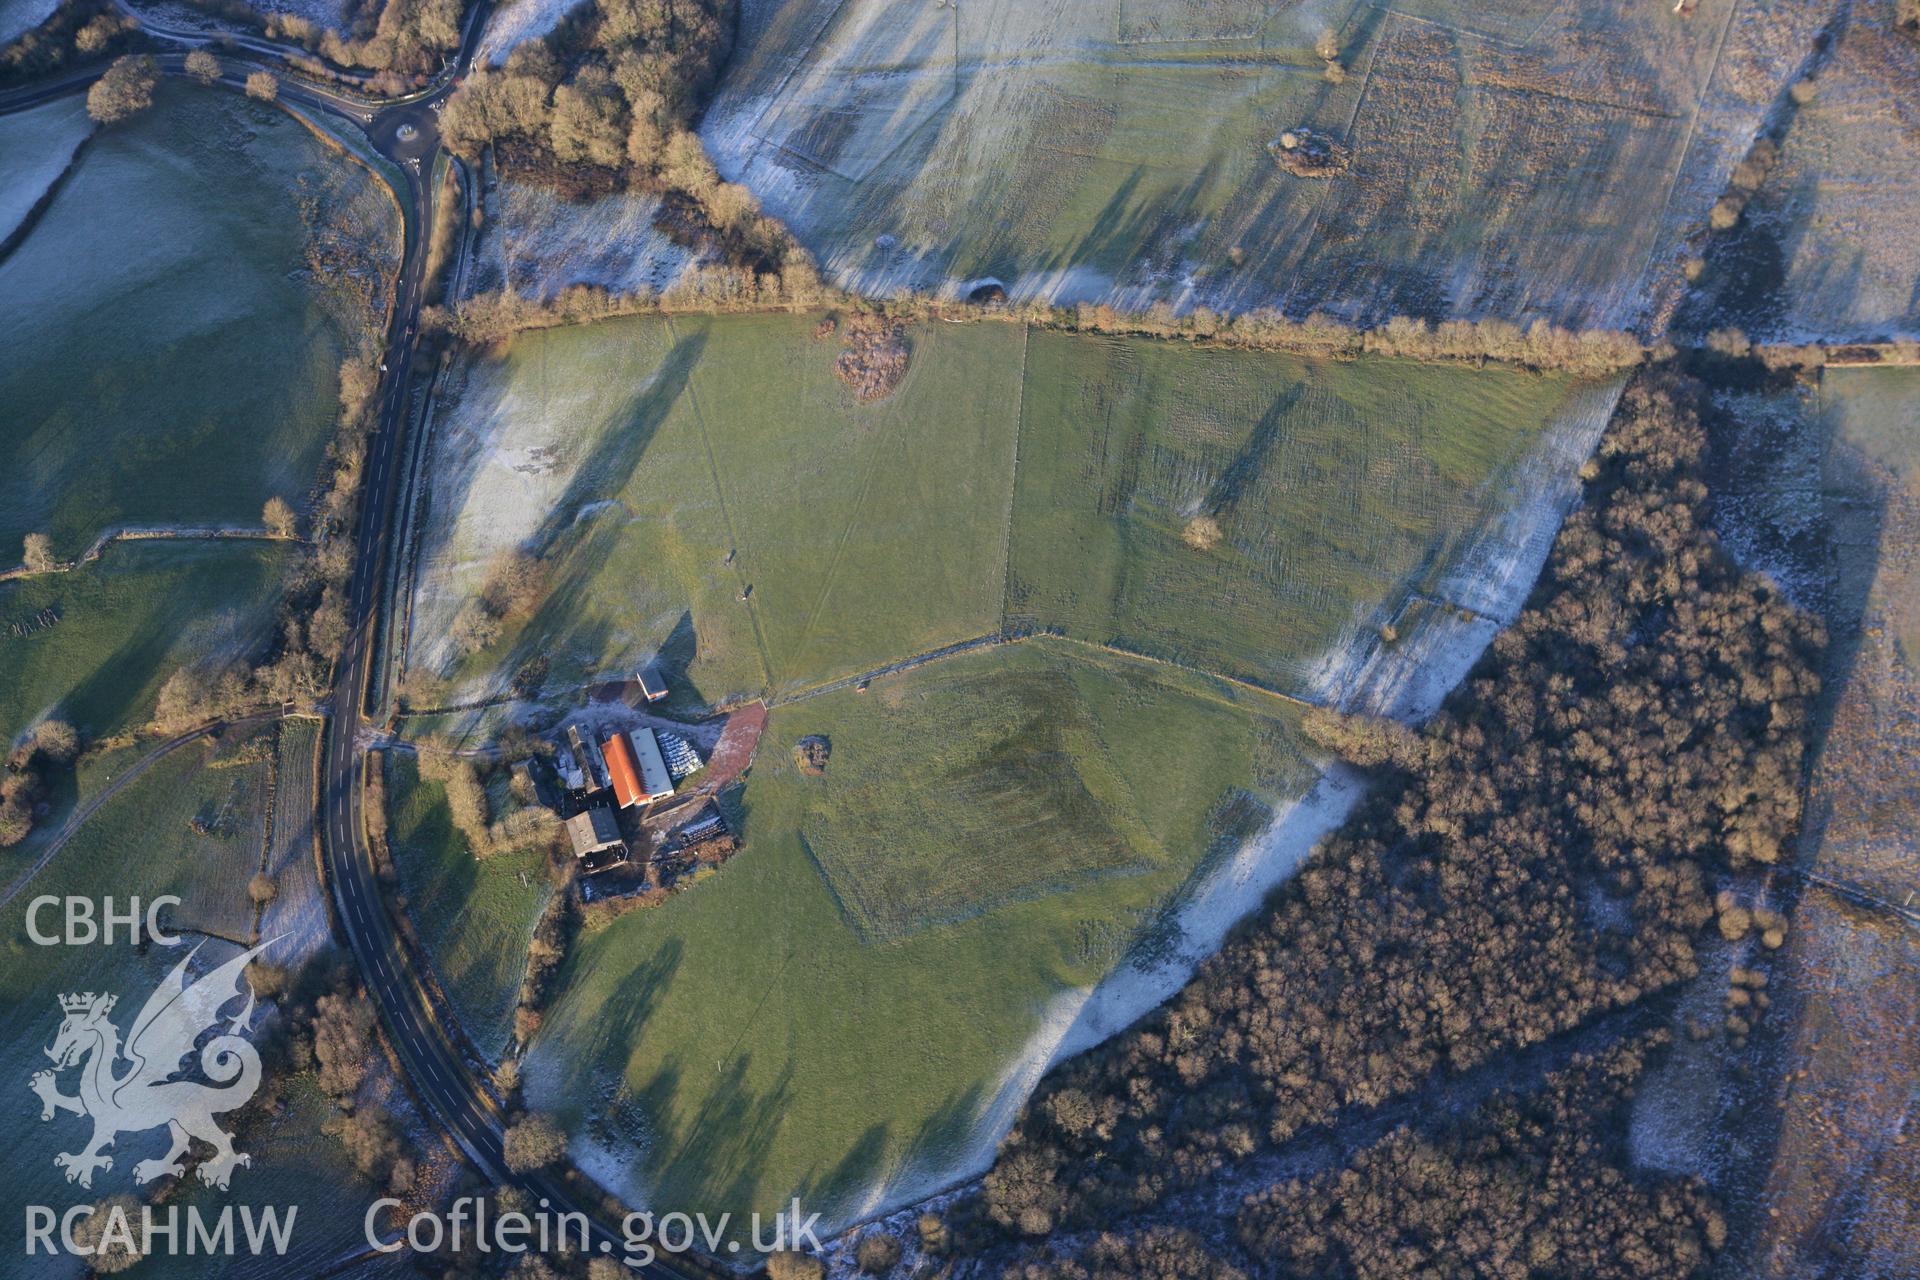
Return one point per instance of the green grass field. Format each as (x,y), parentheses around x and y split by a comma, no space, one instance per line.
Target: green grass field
(994,830)
(1331,488)
(172,353)
(638,455)
(124,623)
(732,1034)
(474,916)
(138,844)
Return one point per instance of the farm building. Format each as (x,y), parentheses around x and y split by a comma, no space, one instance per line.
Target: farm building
(653,685)
(637,769)
(594,832)
(592,767)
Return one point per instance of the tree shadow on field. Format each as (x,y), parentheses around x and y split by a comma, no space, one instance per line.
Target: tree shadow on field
(1132,232)
(1251,458)
(575,556)
(874,1166)
(717,1163)
(1839,555)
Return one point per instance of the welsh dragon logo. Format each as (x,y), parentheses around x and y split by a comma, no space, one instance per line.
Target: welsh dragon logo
(146,1095)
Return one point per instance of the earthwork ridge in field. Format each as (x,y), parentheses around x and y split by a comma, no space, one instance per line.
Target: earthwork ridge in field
(1504,162)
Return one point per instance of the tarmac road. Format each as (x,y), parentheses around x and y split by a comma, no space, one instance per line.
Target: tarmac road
(405,131)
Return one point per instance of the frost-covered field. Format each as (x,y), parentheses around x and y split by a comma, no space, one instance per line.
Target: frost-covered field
(1548,160)
(1820,488)
(536,243)
(519,20)
(35,147)
(1838,222)
(17,17)
(322,13)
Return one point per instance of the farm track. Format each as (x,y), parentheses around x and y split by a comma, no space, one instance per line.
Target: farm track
(131,773)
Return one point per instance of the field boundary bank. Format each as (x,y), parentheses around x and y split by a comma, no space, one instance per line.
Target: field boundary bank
(79,817)
(38,209)
(1581,353)
(1013,481)
(149,533)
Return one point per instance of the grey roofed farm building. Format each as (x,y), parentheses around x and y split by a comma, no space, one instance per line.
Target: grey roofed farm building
(593,830)
(653,684)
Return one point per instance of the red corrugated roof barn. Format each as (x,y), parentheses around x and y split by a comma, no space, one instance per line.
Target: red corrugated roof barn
(623,769)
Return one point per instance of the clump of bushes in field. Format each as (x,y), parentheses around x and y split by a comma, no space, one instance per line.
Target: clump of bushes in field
(331,1030)
(1310,155)
(1746,180)
(810,755)
(873,358)
(51,744)
(515,587)
(1639,730)
(125,90)
(467,805)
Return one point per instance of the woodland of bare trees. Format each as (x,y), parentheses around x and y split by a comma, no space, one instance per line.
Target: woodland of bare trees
(1541,852)
(402,40)
(608,101)
(1526,1185)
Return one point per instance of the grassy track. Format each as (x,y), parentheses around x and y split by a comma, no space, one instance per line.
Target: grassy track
(172,355)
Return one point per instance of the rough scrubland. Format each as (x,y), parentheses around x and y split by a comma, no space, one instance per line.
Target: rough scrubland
(1540,161)
(177,320)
